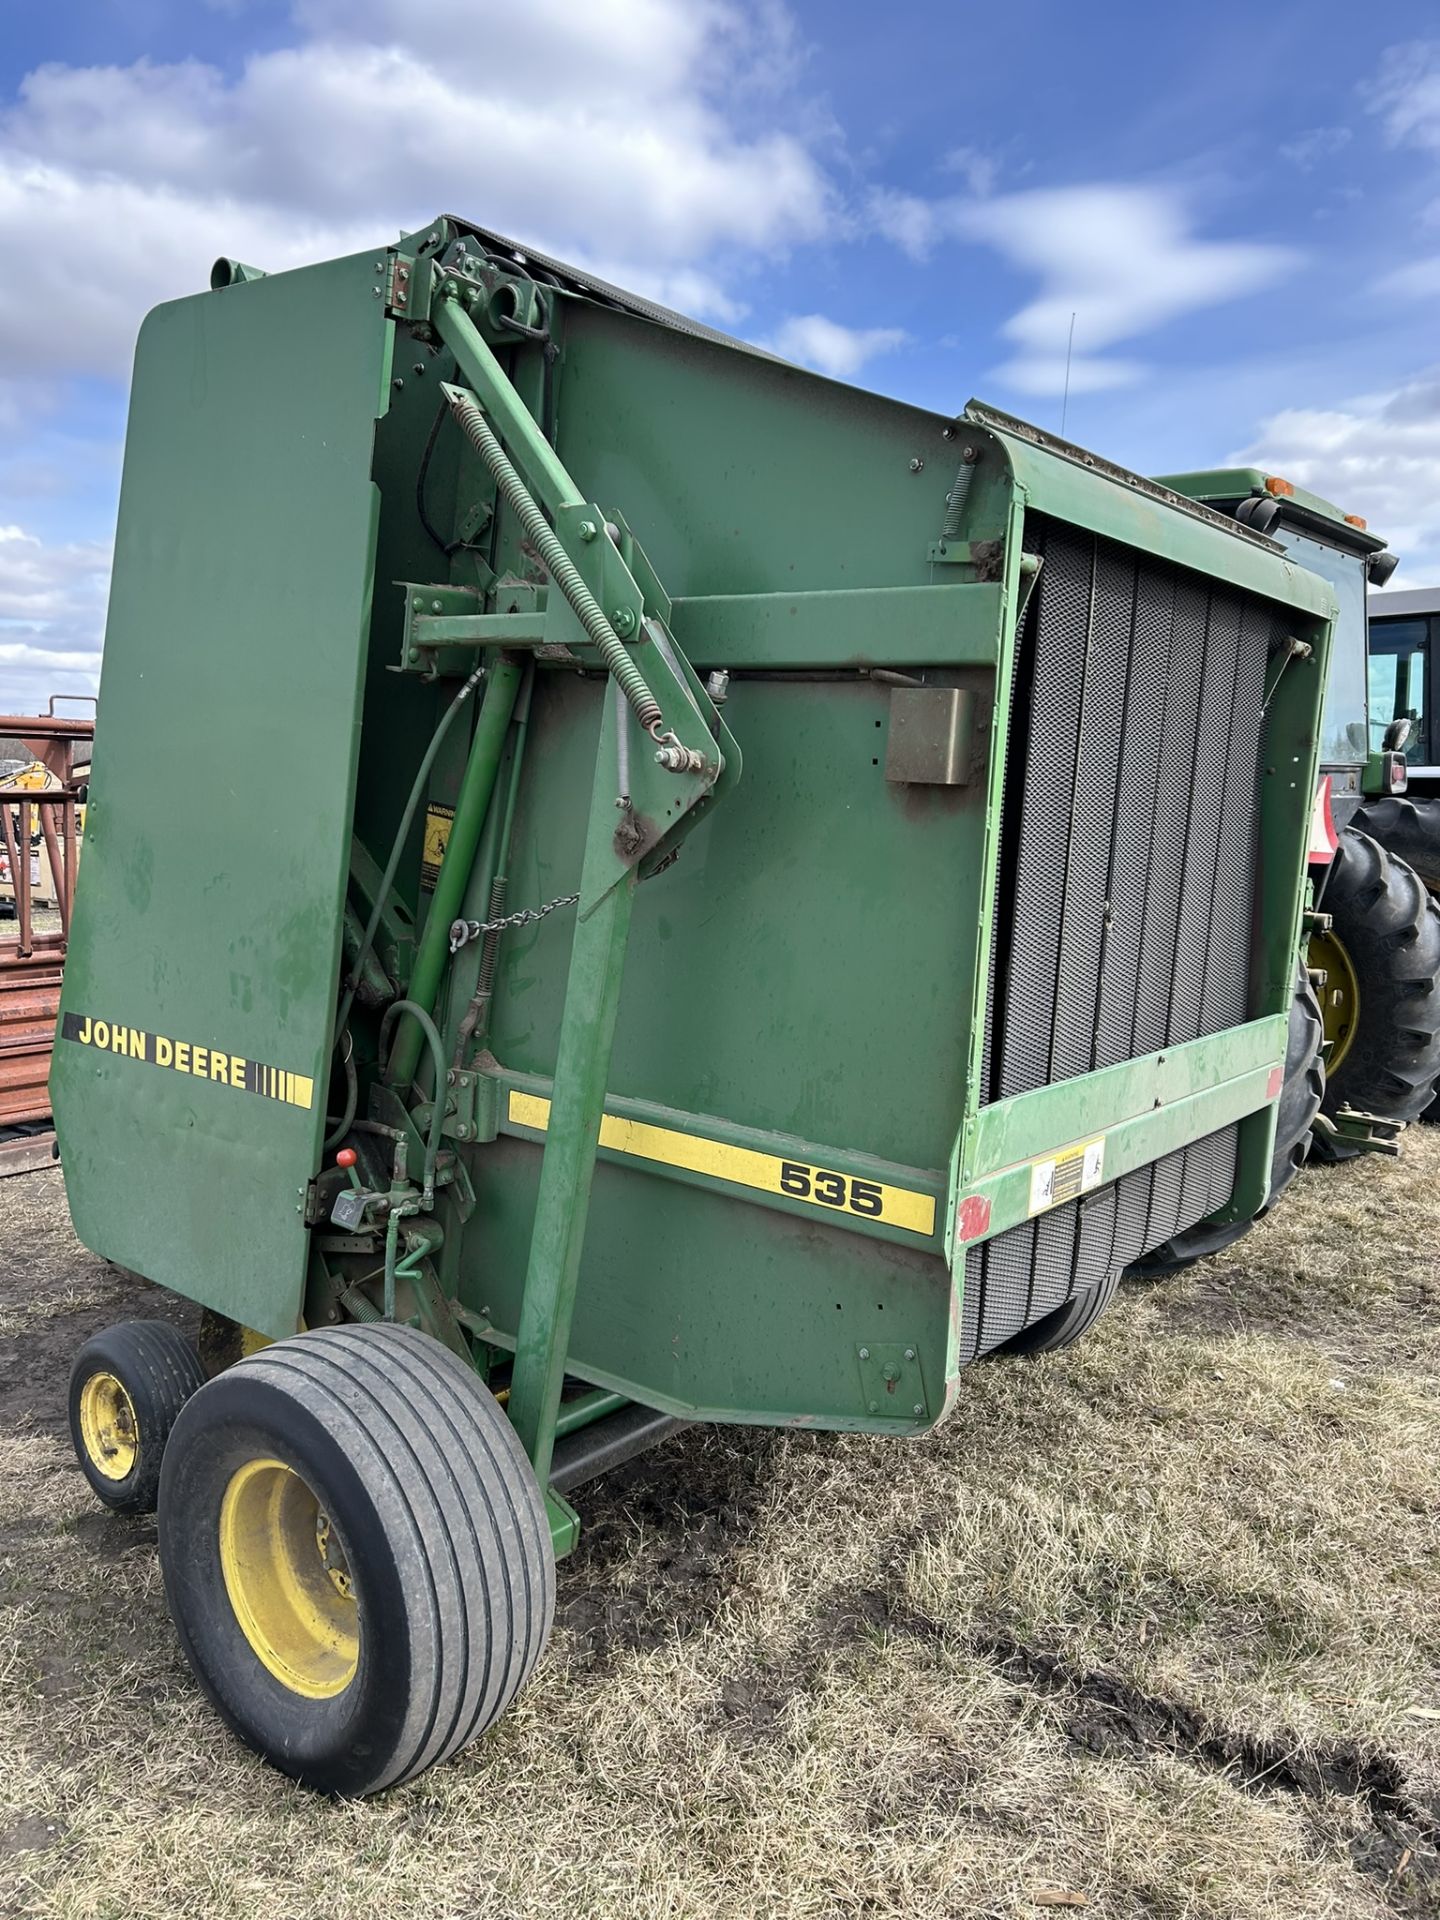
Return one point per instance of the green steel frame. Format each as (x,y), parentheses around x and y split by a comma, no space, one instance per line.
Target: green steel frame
(724,1229)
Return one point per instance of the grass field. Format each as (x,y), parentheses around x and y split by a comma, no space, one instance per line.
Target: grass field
(1149,1629)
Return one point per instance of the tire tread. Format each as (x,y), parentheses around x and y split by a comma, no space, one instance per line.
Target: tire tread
(465,1520)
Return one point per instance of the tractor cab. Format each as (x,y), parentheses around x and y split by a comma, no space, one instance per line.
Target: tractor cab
(1404,655)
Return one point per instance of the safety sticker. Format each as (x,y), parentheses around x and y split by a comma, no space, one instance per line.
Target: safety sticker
(745,1167)
(438,822)
(1066,1175)
(215,1064)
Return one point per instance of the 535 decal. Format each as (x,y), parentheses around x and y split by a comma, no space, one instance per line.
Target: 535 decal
(865,1197)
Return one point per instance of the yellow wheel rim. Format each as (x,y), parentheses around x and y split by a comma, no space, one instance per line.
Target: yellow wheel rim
(108,1427)
(288,1580)
(1339,997)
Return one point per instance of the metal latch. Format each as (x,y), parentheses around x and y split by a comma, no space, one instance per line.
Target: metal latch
(892,1386)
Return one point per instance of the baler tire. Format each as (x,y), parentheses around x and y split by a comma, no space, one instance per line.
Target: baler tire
(1064,1325)
(1410,829)
(1300,1100)
(357,1554)
(1388,930)
(127,1387)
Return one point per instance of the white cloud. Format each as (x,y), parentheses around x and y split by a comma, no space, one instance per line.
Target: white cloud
(1308,149)
(1047,374)
(1419,280)
(978,169)
(1377,455)
(52,612)
(913,224)
(829,347)
(1122,260)
(1406,93)
(658,138)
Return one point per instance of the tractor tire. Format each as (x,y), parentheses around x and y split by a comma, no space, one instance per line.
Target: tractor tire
(1065,1325)
(1381,1000)
(1300,1101)
(1409,829)
(357,1554)
(127,1387)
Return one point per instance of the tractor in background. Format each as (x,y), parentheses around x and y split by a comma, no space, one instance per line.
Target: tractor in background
(1404,656)
(1375,938)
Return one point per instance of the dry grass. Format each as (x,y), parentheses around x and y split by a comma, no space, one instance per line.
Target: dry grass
(1157,1622)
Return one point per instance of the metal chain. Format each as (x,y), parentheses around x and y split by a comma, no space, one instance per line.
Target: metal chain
(462,932)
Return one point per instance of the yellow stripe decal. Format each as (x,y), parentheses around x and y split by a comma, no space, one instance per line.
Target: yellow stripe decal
(828,1192)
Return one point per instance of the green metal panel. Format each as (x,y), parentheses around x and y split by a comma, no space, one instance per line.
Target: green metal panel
(217,850)
(782,974)
(1124,506)
(745,475)
(1140,1110)
(802,990)
(904,627)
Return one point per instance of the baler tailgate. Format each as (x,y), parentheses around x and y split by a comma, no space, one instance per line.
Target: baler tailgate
(190,1077)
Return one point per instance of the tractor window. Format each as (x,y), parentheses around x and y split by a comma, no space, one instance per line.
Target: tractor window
(1398,682)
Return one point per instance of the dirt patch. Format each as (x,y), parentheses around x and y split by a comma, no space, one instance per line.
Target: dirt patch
(53,1296)
(1347,1263)
(1106,1714)
(30,1834)
(694,1500)
(823,1677)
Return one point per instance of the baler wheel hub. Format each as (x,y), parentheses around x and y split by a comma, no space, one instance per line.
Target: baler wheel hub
(288,1580)
(108,1426)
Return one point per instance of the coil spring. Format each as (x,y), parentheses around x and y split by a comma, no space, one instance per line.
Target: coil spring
(958,495)
(562,568)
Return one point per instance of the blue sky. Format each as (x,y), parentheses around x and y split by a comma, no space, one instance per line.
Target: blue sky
(1241,208)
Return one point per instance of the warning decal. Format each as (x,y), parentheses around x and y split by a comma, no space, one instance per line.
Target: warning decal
(1065,1176)
(438,822)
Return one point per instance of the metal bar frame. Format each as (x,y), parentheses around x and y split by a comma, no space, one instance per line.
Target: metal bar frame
(562,1203)
(1145,1108)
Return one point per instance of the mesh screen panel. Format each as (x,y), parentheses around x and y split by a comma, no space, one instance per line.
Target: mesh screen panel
(1124,905)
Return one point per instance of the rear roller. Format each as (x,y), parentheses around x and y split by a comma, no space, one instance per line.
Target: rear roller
(1066,1324)
(356,1554)
(127,1387)
(1381,998)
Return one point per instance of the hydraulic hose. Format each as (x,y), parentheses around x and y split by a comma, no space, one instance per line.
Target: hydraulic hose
(561,567)
(352,1093)
(472,805)
(426,1025)
(387,879)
